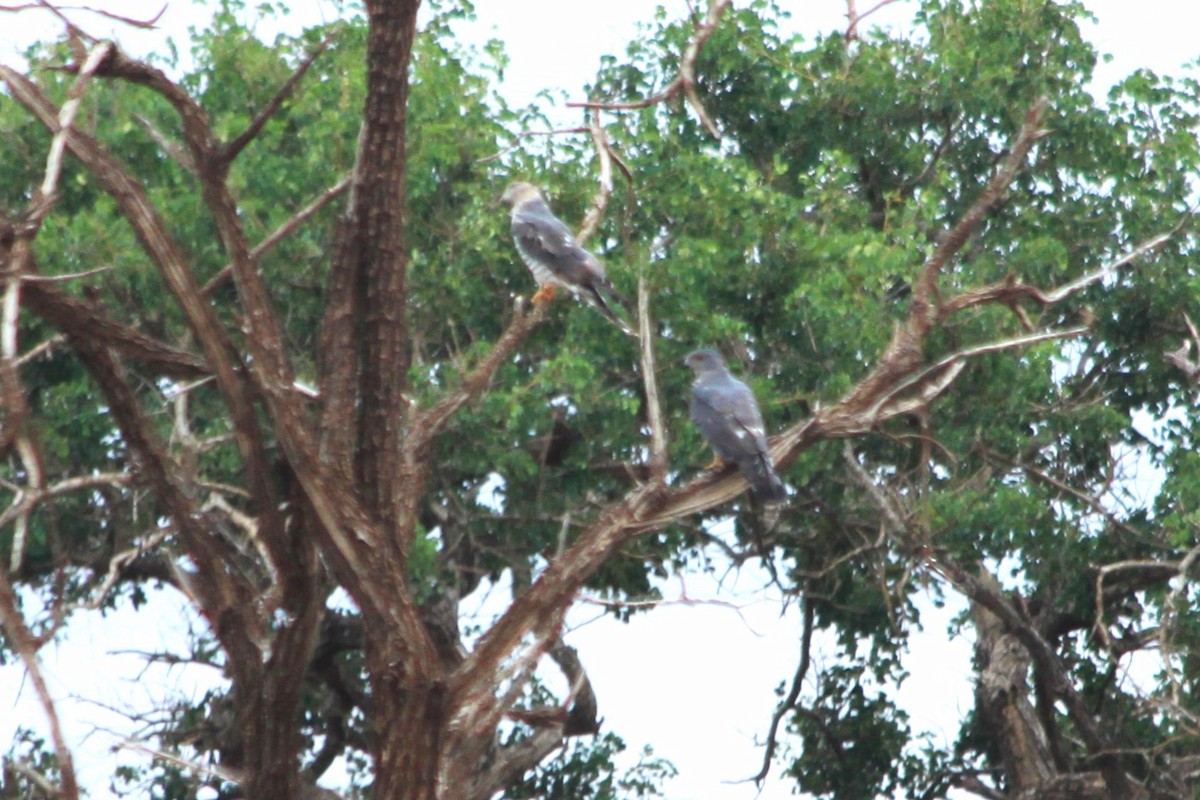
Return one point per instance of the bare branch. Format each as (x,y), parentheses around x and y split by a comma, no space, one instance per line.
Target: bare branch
(925,286)
(1011,291)
(30,497)
(221,773)
(936,377)
(178,153)
(44,785)
(855,18)
(118,563)
(38,350)
(427,424)
(685,81)
(525,135)
(228,152)
(793,695)
(43,198)
(282,232)
(26,645)
(71,314)
(595,213)
(67,277)
(654,416)
(1177,601)
(146,24)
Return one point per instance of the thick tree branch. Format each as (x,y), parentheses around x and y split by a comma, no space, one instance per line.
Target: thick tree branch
(164,252)
(71,314)
(1096,740)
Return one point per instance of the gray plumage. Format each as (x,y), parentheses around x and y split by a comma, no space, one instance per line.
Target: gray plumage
(554,255)
(725,411)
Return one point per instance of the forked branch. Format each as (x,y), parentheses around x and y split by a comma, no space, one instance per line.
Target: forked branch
(685,80)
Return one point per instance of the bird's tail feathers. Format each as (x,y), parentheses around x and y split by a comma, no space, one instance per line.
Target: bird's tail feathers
(620,298)
(765,485)
(596,298)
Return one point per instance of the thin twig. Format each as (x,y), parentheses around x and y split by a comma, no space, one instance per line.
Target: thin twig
(228,152)
(40,349)
(280,233)
(147,24)
(118,562)
(793,695)
(525,135)
(65,278)
(684,81)
(25,644)
(854,17)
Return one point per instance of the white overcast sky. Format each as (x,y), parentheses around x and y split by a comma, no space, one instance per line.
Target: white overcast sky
(696,680)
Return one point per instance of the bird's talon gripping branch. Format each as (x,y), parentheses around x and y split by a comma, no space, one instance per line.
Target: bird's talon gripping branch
(543,295)
(555,257)
(725,411)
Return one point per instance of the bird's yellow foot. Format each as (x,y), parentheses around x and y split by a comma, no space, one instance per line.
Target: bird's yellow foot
(716,463)
(544,294)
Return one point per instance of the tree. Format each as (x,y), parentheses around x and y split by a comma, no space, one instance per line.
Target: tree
(252,316)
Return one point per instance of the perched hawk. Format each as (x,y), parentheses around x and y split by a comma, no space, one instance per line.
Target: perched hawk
(555,257)
(725,411)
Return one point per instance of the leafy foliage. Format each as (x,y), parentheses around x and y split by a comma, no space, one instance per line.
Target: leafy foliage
(793,244)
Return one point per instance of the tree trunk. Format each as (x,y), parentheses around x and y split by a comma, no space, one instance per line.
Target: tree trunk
(1019,738)
(409,717)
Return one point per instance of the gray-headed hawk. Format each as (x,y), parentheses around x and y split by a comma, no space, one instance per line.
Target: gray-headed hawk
(554,255)
(725,411)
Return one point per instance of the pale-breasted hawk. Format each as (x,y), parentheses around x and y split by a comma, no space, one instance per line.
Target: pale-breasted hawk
(725,411)
(554,255)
